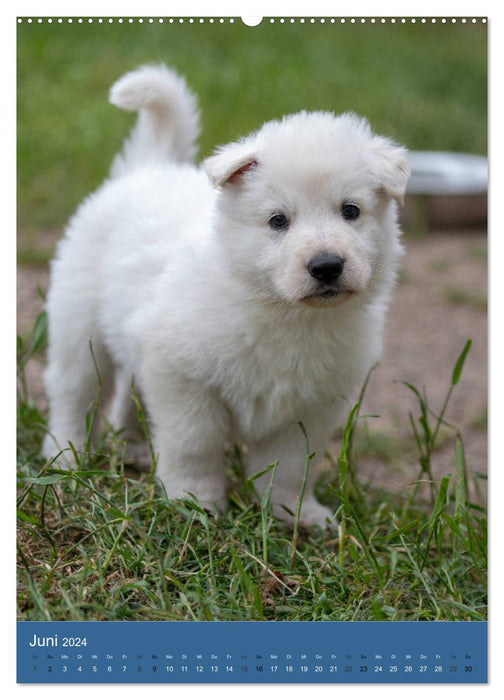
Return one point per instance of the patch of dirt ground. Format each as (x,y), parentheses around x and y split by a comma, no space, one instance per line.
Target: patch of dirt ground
(439,303)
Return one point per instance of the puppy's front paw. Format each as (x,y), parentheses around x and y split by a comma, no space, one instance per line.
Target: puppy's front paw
(312,513)
(209,492)
(58,457)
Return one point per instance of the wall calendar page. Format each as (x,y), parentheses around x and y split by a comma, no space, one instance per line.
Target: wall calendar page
(252,350)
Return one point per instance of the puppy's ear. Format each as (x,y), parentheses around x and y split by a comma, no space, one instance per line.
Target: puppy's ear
(390,167)
(229,163)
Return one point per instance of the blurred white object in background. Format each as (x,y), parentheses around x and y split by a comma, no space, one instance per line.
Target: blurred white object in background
(435,172)
(446,190)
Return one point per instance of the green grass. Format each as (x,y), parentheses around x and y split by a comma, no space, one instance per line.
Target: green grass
(104,543)
(461,296)
(422,85)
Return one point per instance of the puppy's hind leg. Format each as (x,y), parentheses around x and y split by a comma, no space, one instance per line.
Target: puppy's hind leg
(122,412)
(123,416)
(77,378)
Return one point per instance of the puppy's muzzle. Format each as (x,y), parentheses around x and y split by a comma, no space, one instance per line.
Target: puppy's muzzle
(326,269)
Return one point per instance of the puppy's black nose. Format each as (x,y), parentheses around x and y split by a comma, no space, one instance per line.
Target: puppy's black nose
(326,268)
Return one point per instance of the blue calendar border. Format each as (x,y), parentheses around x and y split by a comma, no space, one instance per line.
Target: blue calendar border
(252,652)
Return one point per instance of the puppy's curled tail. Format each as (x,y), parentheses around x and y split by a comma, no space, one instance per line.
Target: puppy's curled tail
(168,119)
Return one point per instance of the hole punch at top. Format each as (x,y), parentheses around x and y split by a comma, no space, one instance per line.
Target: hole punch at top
(251,21)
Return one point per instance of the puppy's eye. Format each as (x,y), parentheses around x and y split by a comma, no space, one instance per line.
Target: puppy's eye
(278,222)
(350,212)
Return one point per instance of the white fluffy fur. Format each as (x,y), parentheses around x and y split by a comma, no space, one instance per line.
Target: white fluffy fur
(178,280)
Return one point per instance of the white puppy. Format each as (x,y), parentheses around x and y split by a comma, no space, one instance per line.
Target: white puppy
(243,300)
